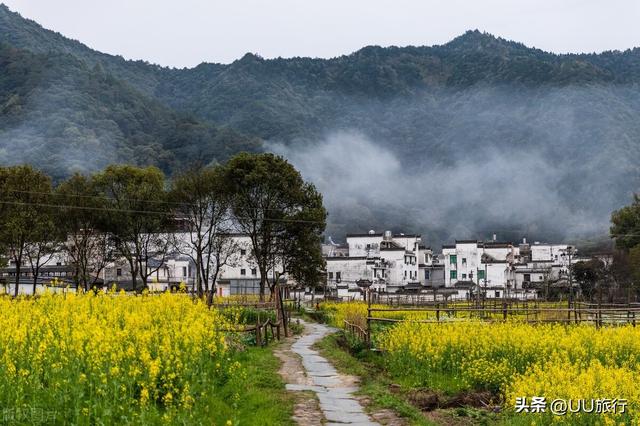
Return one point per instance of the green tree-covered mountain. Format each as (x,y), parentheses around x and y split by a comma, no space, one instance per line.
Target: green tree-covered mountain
(477,135)
(65,113)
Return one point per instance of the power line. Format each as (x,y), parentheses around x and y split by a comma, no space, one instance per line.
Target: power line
(113,209)
(107,198)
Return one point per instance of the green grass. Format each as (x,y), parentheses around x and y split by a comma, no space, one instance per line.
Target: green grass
(260,399)
(375,382)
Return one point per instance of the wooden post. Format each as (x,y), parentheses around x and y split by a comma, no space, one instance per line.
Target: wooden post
(258,337)
(504,311)
(368,337)
(438,312)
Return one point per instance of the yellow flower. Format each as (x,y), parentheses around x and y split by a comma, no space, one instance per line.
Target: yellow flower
(144,396)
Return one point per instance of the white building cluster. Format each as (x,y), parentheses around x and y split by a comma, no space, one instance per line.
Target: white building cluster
(400,264)
(240,276)
(385,263)
(382,261)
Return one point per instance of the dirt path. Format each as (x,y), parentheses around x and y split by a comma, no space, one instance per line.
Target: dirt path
(306,371)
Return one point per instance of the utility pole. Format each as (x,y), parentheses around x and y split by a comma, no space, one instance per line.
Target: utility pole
(567,254)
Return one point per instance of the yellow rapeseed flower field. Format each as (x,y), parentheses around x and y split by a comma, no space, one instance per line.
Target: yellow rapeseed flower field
(513,359)
(137,359)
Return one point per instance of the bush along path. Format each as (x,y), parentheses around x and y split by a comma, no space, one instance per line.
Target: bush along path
(334,391)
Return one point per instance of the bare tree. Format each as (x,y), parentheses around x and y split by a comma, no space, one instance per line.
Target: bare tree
(204,210)
(39,252)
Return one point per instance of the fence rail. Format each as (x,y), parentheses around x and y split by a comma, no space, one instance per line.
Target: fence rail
(356,331)
(261,331)
(597,314)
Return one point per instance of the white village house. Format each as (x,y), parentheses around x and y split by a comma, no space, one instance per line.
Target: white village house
(399,263)
(383,261)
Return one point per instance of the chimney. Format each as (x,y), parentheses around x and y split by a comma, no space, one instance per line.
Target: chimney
(387,236)
(524,240)
(494,237)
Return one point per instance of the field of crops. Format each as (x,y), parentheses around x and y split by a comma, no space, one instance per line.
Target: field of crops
(109,358)
(513,359)
(356,312)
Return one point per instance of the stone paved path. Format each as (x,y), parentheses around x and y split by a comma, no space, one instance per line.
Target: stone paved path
(334,391)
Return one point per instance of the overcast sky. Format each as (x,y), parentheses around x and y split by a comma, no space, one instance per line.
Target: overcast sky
(187,32)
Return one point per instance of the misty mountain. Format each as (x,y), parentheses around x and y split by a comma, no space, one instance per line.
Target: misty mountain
(65,114)
(475,136)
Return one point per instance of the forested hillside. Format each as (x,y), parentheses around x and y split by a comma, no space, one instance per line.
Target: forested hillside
(475,136)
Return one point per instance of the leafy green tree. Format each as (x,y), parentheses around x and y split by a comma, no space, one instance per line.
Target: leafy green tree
(83,217)
(589,275)
(281,213)
(625,225)
(24,209)
(203,205)
(138,216)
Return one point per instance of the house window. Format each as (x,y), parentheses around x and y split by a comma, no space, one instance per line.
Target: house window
(527,277)
(405,274)
(58,264)
(480,274)
(243,272)
(330,275)
(426,274)
(338,276)
(497,293)
(464,260)
(453,259)
(184,271)
(464,276)
(254,272)
(119,272)
(453,275)
(243,252)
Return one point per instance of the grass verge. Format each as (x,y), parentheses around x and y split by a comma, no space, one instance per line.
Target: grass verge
(386,393)
(260,399)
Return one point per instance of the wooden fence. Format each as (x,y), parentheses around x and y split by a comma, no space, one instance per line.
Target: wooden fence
(357,331)
(261,331)
(579,313)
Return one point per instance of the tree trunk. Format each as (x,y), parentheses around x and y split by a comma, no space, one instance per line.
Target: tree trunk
(263,280)
(35,279)
(18,267)
(198,274)
(211,293)
(283,313)
(76,277)
(134,274)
